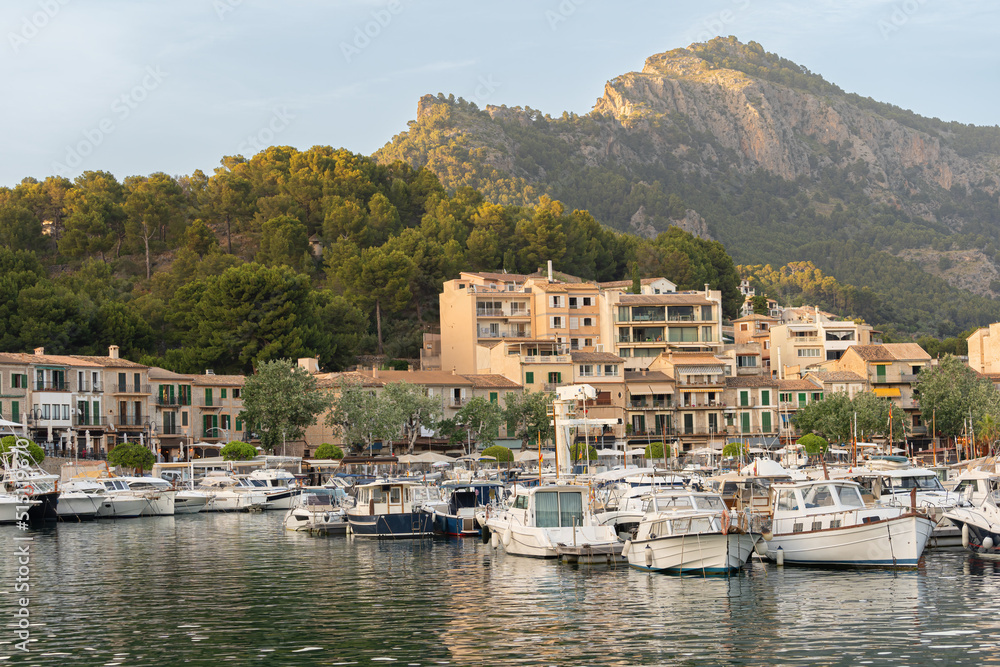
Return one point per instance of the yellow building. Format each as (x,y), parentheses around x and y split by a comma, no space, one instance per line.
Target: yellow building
(984,350)
(803,346)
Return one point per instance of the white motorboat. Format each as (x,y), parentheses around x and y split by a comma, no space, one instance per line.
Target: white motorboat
(78,506)
(228,494)
(156,492)
(280,485)
(690,532)
(188,501)
(110,506)
(826,522)
(319,510)
(894,487)
(540,520)
(14,509)
(980,525)
(975,486)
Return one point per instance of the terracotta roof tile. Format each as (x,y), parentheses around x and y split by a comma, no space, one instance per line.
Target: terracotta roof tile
(488,380)
(595,357)
(797,385)
(637,377)
(218,380)
(751,381)
(108,362)
(837,376)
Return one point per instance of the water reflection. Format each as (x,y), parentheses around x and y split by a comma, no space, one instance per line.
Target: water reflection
(215,588)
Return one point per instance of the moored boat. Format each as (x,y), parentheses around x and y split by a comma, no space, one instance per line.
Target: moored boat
(690,533)
(458,518)
(826,523)
(979,526)
(387,510)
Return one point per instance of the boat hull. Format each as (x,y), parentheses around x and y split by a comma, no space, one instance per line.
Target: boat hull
(283,500)
(892,542)
(121,507)
(518,540)
(709,553)
(188,502)
(456,526)
(13,510)
(78,506)
(158,503)
(392,526)
(983,535)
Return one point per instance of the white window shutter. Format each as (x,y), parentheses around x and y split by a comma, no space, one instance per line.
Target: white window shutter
(574,323)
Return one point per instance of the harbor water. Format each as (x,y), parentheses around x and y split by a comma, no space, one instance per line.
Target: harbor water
(210,589)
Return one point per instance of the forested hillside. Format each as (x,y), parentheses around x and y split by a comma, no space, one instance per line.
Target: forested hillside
(736,144)
(285,254)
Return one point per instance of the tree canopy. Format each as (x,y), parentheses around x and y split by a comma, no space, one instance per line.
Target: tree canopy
(238,451)
(279,401)
(328,451)
(133,455)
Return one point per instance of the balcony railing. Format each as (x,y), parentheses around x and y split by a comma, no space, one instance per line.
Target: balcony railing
(455,402)
(168,400)
(544,359)
(652,405)
(909,377)
(131,421)
(508,333)
(89,420)
(51,385)
(171,429)
(130,388)
(706,404)
(88,386)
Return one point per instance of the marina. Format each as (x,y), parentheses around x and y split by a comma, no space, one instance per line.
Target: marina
(211,588)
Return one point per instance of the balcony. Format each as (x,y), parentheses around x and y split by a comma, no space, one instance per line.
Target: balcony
(168,401)
(130,388)
(51,385)
(545,359)
(909,377)
(131,421)
(87,386)
(171,429)
(918,430)
(485,332)
(708,405)
(650,405)
(90,420)
(209,404)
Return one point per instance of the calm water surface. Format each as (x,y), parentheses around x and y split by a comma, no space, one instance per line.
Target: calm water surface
(216,588)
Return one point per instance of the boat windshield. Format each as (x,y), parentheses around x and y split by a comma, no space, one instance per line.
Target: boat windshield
(918,482)
(966,487)
(819,495)
(697,524)
(849,495)
(709,503)
(670,503)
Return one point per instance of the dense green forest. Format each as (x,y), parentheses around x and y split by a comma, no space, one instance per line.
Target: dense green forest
(843,217)
(285,254)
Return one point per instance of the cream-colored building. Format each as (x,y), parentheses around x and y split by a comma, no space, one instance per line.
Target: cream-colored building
(803,346)
(984,350)
(890,371)
(641,327)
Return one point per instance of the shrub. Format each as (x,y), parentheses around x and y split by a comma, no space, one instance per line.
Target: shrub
(238,451)
(328,451)
(500,453)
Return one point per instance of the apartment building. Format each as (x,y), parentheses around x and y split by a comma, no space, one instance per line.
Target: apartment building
(890,370)
(650,407)
(699,384)
(803,346)
(641,327)
(535,365)
(756,329)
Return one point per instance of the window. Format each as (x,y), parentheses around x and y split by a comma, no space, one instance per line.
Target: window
(555,301)
(19,381)
(744,399)
(65,411)
(745,422)
(802,399)
(765,421)
(713,422)
(706,334)
(184,418)
(236,392)
(574,323)
(529,377)
(494,397)
(46,411)
(588,321)
(611,369)
(556,322)
(787,501)
(809,352)
(225,422)
(765,397)
(239,424)
(572,303)
(555,378)
(684,334)
(586,370)
(785,398)
(880,373)
(706,312)
(819,496)
(746,361)
(588,301)
(817,397)
(222,393)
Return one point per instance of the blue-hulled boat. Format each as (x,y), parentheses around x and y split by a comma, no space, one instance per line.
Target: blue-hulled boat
(386,510)
(465,498)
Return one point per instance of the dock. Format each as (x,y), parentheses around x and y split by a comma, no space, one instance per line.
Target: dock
(591,554)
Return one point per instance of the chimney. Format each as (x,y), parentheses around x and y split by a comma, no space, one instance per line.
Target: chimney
(644,371)
(708,292)
(454,370)
(39,351)
(375,370)
(113,351)
(309,364)
(550,270)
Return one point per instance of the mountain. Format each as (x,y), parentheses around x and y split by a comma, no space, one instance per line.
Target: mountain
(739,145)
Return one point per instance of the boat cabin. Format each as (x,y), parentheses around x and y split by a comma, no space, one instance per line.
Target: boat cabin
(815,497)
(385,498)
(550,507)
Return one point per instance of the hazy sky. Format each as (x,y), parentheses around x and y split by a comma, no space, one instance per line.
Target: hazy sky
(136,87)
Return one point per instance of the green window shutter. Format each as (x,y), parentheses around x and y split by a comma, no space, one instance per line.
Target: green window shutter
(880,373)
(765,421)
(744,399)
(494,397)
(765,397)
(511,429)
(15,411)
(239,424)
(802,400)
(208,396)
(558,378)
(184,418)
(745,422)
(222,393)
(529,377)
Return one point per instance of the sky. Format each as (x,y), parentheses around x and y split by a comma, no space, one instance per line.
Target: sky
(139,87)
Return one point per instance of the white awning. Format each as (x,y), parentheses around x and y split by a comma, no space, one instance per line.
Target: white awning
(699,370)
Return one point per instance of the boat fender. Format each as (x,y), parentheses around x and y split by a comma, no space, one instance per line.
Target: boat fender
(649,556)
(494,540)
(626,548)
(987,542)
(326,517)
(965,535)
(507,537)
(485,532)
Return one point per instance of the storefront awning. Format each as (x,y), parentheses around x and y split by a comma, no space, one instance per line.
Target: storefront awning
(887,392)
